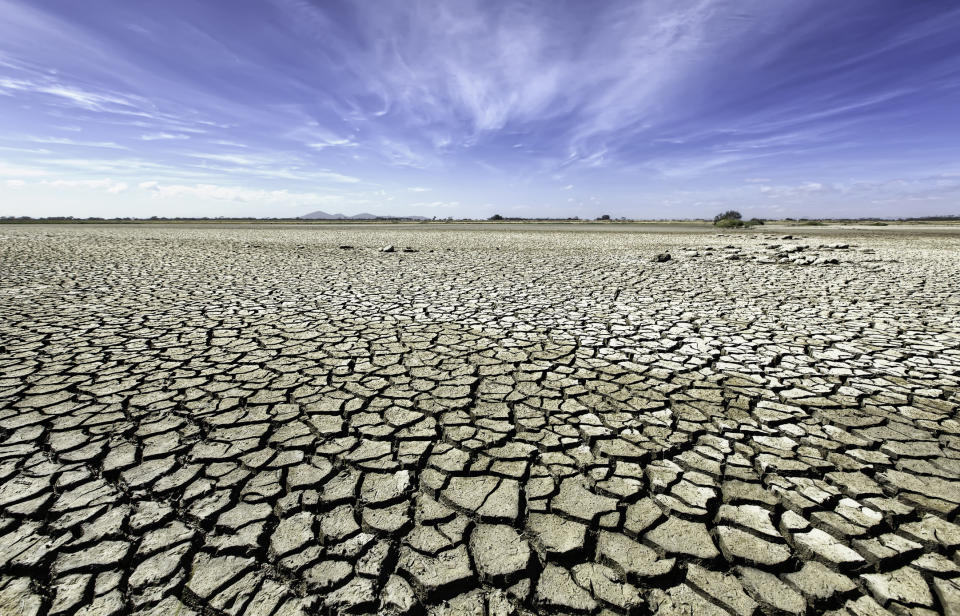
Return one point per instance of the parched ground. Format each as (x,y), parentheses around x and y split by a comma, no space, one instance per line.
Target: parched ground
(256,421)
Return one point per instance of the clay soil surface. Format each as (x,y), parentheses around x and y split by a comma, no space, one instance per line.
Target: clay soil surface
(276,420)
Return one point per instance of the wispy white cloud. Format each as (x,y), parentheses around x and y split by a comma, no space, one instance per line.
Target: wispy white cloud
(103,165)
(333,143)
(244,194)
(289,167)
(630,102)
(106,184)
(163,137)
(71,95)
(236,159)
(74,142)
(332,176)
(20,171)
(227,193)
(402,155)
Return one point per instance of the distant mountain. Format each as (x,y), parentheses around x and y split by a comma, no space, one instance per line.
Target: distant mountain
(318,215)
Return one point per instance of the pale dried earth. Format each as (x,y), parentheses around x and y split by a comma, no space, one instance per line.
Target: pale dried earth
(256,421)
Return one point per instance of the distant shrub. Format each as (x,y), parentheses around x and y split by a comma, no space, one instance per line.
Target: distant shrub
(728,215)
(604,217)
(754,222)
(812,223)
(496,217)
(729,223)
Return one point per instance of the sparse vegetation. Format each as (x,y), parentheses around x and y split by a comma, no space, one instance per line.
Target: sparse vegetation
(732,219)
(728,215)
(729,223)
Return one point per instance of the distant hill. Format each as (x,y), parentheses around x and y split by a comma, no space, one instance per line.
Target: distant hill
(319,215)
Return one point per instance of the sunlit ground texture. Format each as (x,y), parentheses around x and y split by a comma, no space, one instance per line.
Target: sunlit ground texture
(505,419)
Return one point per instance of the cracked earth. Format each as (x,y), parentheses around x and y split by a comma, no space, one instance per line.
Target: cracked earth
(279,421)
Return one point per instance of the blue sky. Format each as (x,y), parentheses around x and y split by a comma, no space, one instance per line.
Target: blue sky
(647,109)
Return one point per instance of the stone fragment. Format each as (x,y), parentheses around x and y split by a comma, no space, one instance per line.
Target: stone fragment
(557,590)
(606,585)
(383,488)
(112,604)
(678,536)
(736,491)
(886,547)
(724,588)
(291,534)
(309,476)
(104,554)
(169,605)
(905,585)
(556,536)
(933,532)
(359,594)
(17,597)
(208,575)
(753,517)
(493,499)
(741,546)
(69,593)
(641,515)
(397,596)
(861,606)
(23,488)
(948,594)
(818,583)
(818,544)
(157,568)
(173,533)
(770,592)
(328,574)
(576,501)
(338,524)
(499,552)
(389,520)
(935,487)
(636,560)
(681,600)
(440,575)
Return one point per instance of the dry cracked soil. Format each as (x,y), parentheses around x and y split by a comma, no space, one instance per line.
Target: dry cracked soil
(277,421)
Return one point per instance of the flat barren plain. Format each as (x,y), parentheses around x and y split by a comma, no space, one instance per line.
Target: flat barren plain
(504,419)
